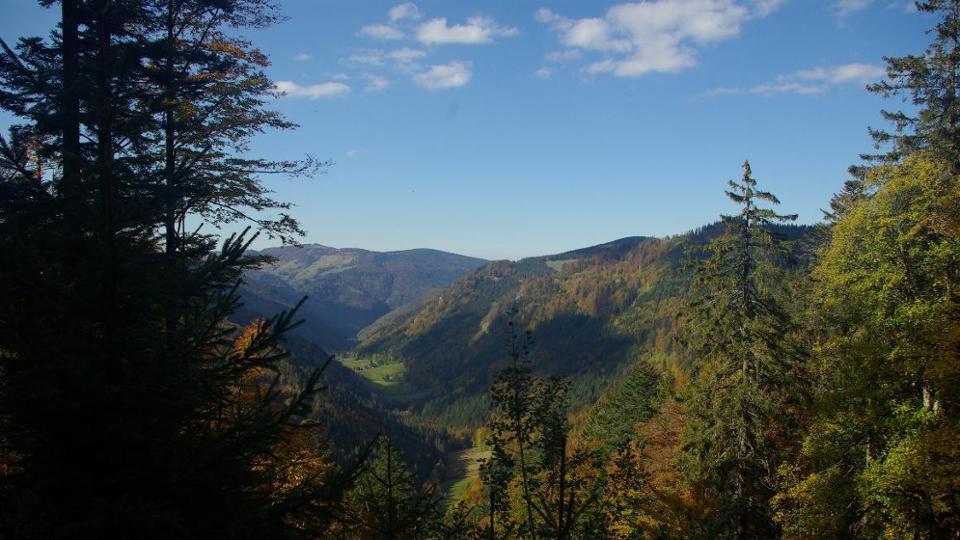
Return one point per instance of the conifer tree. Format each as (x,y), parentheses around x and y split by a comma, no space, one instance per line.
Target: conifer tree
(931,82)
(557,486)
(200,126)
(512,420)
(495,475)
(737,333)
(111,428)
(386,502)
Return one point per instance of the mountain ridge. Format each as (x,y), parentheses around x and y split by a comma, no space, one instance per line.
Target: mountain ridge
(593,312)
(347,289)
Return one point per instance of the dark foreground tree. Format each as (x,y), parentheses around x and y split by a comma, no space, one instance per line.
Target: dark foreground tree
(129,406)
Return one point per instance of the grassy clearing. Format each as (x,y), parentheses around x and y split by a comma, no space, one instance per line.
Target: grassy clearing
(463,469)
(387,374)
(383,373)
(558,265)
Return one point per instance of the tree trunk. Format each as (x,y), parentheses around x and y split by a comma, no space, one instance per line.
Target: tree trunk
(104,120)
(71,102)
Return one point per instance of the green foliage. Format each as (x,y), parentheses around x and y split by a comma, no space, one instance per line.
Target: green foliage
(593,319)
(613,419)
(385,502)
(555,489)
(887,372)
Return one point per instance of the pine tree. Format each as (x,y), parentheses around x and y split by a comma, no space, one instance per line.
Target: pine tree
(112,428)
(931,82)
(201,126)
(496,472)
(557,486)
(737,331)
(511,426)
(386,502)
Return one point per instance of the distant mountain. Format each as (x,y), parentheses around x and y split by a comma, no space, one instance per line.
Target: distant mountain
(348,289)
(593,313)
(609,250)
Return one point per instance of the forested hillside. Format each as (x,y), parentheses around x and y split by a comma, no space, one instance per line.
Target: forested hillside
(593,313)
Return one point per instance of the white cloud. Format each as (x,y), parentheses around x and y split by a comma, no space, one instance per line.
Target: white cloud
(405,24)
(375,83)
(407,10)
(406,55)
(397,14)
(476,30)
(543,73)
(403,59)
(313,91)
(860,73)
(381,31)
(302,57)
(452,75)
(762,8)
(566,55)
(654,36)
(545,16)
(370,57)
(810,81)
(842,8)
(596,34)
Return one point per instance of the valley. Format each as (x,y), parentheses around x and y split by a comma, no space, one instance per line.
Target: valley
(595,315)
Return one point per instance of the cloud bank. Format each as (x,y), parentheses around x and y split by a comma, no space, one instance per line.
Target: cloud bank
(660,36)
(810,81)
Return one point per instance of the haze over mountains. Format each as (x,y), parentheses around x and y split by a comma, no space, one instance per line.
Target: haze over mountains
(347,289)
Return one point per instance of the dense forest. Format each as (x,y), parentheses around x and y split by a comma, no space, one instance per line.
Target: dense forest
(752,378)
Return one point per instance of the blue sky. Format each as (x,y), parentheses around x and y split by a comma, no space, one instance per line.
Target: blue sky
(511,128)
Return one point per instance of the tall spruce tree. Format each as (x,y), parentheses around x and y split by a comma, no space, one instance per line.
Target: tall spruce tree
(110,427)
(737,329)
(929,82)
(512,424)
